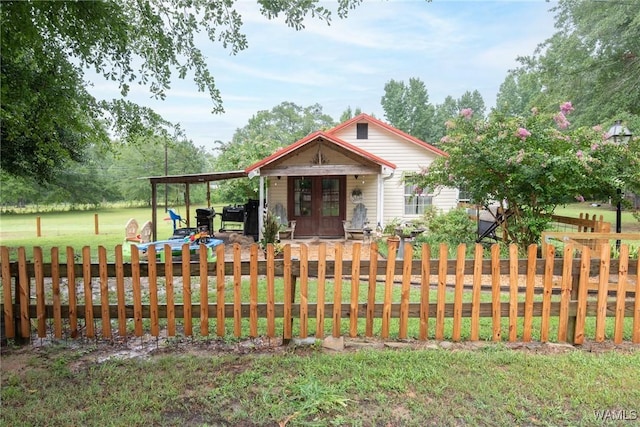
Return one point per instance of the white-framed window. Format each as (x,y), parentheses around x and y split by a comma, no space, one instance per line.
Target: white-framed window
(416,200)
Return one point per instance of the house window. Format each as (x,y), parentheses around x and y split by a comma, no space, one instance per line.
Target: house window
(362,131)
(416,200)
(464,196)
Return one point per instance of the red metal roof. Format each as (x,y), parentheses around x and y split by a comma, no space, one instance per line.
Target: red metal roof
(311,137)
(367,118)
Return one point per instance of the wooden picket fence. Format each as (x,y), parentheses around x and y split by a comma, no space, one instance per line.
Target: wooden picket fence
(484,297)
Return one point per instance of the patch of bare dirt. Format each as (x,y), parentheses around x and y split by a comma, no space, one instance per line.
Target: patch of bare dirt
(18,359)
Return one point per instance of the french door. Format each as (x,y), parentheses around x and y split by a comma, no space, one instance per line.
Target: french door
(317,204)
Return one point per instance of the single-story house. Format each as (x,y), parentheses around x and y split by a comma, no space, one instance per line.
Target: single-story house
(350,176)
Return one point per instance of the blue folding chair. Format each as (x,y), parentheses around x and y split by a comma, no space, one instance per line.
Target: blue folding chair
(175,218)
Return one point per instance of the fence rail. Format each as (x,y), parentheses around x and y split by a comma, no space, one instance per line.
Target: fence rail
(548,298)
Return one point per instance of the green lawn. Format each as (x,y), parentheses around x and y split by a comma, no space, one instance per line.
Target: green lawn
(77,228)
(194,385)
(629,223)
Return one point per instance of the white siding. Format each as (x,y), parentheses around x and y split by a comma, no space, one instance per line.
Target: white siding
(277,192)
(408,157)
(368,185)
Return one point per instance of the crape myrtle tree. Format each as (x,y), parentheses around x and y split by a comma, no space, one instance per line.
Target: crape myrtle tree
(48,113)
(531,164)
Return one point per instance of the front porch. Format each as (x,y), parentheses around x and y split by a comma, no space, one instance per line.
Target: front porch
(329,188)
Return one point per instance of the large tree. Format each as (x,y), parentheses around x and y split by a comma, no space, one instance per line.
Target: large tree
(48,114)
(593,59)
(519,91)
(265,132)
(407,107)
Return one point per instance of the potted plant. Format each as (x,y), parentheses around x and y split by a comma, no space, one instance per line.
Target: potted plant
(270,233)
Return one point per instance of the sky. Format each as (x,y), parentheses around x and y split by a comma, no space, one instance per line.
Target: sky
(453,46)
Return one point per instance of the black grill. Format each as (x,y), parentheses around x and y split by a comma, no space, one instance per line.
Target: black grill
(232,214)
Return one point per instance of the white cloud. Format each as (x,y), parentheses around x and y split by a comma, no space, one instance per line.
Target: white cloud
(452,46)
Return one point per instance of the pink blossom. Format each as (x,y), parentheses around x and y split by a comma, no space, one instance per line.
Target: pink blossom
(522,133)
(580,198)
(566,108)
(445,139)
(466,113)
(579,154)
(561,121)
(597,128)
(594,146)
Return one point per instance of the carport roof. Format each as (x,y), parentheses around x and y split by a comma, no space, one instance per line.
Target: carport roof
(196,177)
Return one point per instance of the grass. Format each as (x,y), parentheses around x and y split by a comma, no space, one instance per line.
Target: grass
(629,224)
(493,386)
(77,229)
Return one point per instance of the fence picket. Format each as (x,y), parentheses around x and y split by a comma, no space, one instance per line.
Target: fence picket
(322,268)
(153,289)
(621,293)
(104,292)
(603,285)
(122,314)
(513,292)
(355,287)
(546,296)
(237,289)
(10,331)
(289,294)
(337,292)
(475,292)
(186,291)
(137,291)
(73,298)
(371,291)
(88,292)
(532,252)
(565,292)
(496,305)
(583,294)
(304,291)
(40,302)
(459,285)
(636,306)
(220,287)
(425,266)
(271,294)
(253,291)
(171,308)
(392,246)
(442,290)
(25,295)
(404,293)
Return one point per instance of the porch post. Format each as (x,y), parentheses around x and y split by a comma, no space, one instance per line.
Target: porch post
(379,208)
(261,207)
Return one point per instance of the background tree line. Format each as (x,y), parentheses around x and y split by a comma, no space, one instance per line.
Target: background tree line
(80,150)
